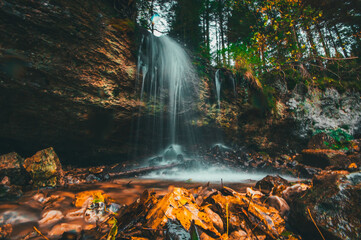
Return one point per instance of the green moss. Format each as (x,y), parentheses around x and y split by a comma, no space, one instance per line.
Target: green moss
(342,139)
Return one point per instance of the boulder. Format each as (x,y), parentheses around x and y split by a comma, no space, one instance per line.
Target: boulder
(45,168)
(323,158)
(272,184)
(11,167)
(321,141)
(333,204)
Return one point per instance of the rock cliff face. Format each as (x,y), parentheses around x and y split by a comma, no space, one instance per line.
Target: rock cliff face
(67,71)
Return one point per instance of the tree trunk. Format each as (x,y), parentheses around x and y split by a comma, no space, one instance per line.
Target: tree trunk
(220,15)
(207,25)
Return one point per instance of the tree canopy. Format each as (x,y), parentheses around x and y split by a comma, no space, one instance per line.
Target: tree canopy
(314,42)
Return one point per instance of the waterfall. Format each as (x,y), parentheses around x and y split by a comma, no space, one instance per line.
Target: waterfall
(218,88)
(218,83)
(168,89)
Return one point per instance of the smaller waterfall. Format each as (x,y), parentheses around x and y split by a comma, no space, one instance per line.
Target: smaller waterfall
(218,82)
(218,88)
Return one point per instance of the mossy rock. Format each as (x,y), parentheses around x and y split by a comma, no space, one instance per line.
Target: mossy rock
(44,168)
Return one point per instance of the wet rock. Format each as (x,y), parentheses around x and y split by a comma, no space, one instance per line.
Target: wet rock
(280,204)
(45,168)
(95,212)
(76,214)
(175,231)
(272,184)
(307,171)
(155,161)
(294,191)
(321,141)
(114,208)
(71,179)
(170,154)
(5,231)
(10,192)
(323,158)
(61,228)
(17,216)
(51,217)
(11,166)
(39,197)
(180,157)
(333,203)
(92,178)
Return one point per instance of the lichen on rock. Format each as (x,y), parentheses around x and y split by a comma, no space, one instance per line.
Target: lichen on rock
(45,168)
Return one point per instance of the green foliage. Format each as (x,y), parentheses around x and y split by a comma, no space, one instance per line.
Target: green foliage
(194,232)
(342,139)
(114,228)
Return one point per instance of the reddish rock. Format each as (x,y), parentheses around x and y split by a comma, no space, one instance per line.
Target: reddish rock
(323,158)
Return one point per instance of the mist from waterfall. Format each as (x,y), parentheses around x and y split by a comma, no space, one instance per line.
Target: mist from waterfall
(168,88)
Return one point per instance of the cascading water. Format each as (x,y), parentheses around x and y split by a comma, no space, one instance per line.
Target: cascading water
(218,83)
(168,89)
(218,88)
